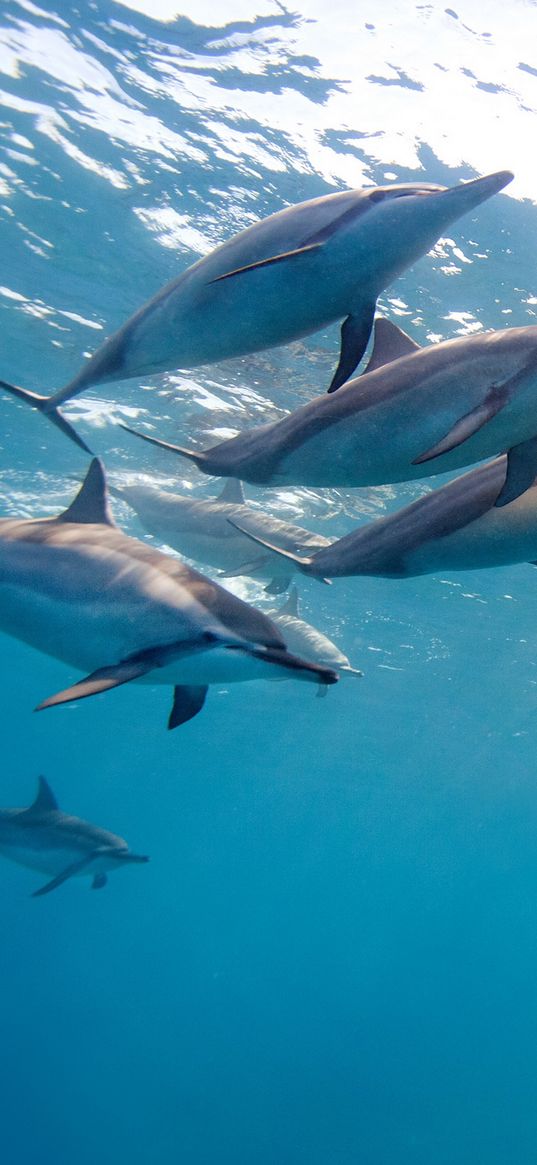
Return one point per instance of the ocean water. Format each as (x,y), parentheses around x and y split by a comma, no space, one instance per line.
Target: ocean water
(331,958)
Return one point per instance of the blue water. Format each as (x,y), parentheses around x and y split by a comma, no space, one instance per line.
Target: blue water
(332,956)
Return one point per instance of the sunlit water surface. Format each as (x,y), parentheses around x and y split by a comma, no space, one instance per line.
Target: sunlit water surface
(332,957)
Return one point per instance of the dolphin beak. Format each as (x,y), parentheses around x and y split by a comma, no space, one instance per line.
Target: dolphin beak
(471,194)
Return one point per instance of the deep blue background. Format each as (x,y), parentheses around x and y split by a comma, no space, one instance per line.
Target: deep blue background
(332,956)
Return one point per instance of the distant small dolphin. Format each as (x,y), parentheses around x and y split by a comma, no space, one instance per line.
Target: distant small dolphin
(456,527)
(199,528)
(43,838)
(415,411)
(78,589)
(282,278)
(305,640)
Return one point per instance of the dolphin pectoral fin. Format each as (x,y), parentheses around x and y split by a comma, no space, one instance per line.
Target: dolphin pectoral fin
(69,872)
(285,659)
(99,681)
(268,262)
(355,332)
(197,458)
(521,471)
(302,564)
(469,424)
(99,881)
(187,702)
(39,402)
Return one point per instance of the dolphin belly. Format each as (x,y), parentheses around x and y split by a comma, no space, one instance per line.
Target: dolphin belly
(220,665)
(379,442)
(222,321)
(88,640)
(47,859)
(499,537)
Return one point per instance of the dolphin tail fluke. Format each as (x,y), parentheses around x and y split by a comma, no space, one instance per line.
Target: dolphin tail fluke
(41,403)
(197,458)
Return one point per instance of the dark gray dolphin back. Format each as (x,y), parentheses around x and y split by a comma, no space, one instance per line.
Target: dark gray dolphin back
(382,546)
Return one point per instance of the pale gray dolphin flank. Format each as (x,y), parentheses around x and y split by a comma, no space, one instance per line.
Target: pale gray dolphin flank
(419,411)
(43,838)
(77,588)
(305,640)
(200,529)
(456,527)
(282,278)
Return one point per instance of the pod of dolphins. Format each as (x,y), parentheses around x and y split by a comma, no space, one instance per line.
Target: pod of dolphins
(119,610)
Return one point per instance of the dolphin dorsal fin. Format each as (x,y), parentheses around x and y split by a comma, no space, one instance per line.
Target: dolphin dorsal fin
(389,343)
(91,502)
(45,801)
(232,492)
(290,607)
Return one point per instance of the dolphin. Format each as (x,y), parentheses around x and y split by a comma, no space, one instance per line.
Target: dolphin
(43,838)
(200,529)
(413,411)
(455,527)
(77,588)
(284,277)
(305,640)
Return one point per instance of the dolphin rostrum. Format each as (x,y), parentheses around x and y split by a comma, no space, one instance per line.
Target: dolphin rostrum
(200,529)
(414,411)
(78,589)
(456,527)
(284,277)
(43,838)
(306,640)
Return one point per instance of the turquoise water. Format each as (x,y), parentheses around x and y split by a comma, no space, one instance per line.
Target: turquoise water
(332,955)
